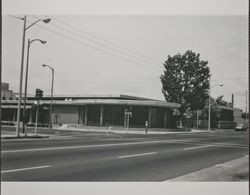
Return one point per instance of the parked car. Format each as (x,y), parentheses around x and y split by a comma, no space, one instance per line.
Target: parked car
(241,127)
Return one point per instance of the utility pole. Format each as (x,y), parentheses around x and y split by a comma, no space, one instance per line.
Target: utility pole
(21,80)
(26,82)
(209,104)
(246,108)
(51,96)
(37,111)
(209,109)
(197,119)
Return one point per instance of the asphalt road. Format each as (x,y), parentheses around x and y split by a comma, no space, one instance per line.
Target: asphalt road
(85,156)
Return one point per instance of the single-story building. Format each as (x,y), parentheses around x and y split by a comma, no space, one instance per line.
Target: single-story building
(97,110)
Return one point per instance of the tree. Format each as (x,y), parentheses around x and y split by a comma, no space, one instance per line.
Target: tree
(186,81)
(214,109)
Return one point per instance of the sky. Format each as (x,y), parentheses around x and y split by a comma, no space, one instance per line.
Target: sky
(123,54)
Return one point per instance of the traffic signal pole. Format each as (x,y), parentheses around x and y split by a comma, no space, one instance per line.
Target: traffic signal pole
(37,111)
(51,99)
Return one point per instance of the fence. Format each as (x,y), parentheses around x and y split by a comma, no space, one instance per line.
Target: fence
(226,124)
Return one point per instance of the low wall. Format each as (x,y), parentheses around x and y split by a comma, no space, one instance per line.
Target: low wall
(226,124)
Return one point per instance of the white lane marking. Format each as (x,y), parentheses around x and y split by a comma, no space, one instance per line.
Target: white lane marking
(135,155)
(130,143)
(62,137)
(77,147)
(24,169)
(223,166)
(217,144)
(197,147)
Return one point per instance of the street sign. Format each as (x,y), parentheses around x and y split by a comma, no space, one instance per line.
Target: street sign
(128,113)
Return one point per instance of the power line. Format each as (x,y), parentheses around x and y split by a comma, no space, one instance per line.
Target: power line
(87,45)
(109,42)
(104,45)
(236,78)
(116,83)
(95,48)
(20,18)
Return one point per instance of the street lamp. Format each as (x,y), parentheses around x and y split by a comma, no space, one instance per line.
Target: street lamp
(51,97)
(209,104)
(26,81)
(21,70)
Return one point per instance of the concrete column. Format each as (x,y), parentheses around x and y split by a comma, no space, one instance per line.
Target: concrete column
(86,115)
(149,117)
(14,115)
(101,115)
(165,118)
(125,117)
(30,112)
(79,115)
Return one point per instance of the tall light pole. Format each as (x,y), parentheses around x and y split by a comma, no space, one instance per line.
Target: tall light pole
(26,82)
(21,70)
(209,104)
(246,108)
(51,96)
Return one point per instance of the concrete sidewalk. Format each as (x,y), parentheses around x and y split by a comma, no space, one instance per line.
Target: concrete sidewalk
(12,135)
(107,130)
(235,170)
(120,130)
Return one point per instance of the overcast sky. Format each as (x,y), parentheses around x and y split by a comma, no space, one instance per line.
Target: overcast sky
(88,64)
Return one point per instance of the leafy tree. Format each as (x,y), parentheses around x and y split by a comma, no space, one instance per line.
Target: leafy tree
(214,109)
(186,81)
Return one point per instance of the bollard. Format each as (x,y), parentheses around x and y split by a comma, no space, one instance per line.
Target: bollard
(146,127)
(109,130)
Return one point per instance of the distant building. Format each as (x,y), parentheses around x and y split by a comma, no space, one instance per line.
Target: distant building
(6,93)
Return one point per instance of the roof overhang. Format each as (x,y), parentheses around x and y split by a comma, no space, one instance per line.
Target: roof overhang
(116,102)
(153,103)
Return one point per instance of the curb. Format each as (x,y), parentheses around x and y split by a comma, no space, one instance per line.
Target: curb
(25,137)
(234,170)
(142,132)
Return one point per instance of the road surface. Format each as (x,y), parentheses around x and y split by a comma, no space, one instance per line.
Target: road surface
(86,156)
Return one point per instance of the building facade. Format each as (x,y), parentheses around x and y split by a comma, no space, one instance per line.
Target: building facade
(6,93)
(102,110)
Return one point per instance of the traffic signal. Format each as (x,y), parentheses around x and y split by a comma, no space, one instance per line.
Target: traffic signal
(39,94)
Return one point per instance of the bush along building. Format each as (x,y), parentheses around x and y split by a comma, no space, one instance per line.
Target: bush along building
(96,110)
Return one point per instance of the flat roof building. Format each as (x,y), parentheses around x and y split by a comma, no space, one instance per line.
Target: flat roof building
(98,110)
